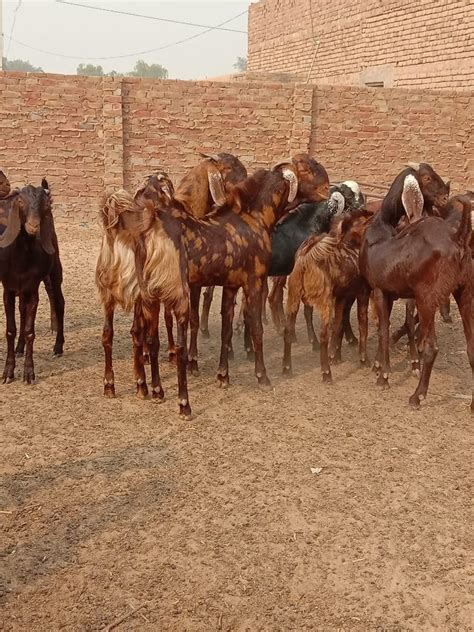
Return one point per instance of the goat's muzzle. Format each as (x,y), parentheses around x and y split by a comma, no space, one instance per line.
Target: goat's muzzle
(32,228)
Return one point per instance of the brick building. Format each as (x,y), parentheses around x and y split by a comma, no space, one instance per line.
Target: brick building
(378,43)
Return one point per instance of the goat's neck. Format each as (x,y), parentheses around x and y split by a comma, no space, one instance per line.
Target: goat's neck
(193,193)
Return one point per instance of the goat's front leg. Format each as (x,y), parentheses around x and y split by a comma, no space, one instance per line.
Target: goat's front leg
(31,300)
(20,345)
(107,343)
(195,295)
(264,301)
(169,332)
(383,304)
(288,338)
(208,295)
(9,304)
(410,325)
(153,342)
(363,321)
(325,317)
(275,300)
(426,313)
(182,363)
(248,344)
(337,331)
(349,334)
(227,313)
(48,286)
(138,332)
(308,317)
(463,297)
(253,295)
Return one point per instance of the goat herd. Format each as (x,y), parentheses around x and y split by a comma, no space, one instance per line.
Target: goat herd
(221,227)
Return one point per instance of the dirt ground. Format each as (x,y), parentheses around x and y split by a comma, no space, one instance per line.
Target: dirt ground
(107,506)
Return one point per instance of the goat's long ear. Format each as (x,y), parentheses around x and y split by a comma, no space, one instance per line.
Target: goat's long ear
(448,185)
(13,226)
(47,233)
(414,165)
(45,185)
(213,157)
(289,173)
(216,185)
(336,203)
(412,198)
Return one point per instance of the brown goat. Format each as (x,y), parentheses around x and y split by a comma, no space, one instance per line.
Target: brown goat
(142,264)
(325,277)
(424,262)
(200,191)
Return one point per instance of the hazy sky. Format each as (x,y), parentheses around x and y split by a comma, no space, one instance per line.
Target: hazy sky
(87,34)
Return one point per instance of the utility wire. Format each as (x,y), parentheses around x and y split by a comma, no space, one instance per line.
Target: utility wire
(147,17)
(13,27)
(143,52)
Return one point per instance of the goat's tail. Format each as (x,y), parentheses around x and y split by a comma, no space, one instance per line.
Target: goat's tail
(463,234)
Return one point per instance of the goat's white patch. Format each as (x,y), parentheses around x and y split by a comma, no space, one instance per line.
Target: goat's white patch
(353,186)
(336,203)
(472,219)
(290,175)
(412,198)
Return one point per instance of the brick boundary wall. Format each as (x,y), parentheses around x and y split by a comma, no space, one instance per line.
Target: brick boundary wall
(88,133)
(404,44)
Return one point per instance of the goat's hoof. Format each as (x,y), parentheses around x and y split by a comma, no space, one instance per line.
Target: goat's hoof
(158,394)
(250,355)
(414,402)
(376,368)
(142,391)
(193,367)
(223,380)
(172,356)
(8,379)
(185,412)
(146,358)
(205,334)
(19,353)
(28,376)
(447,319)
(264,383)
(287,371)
(383,382)
(352,341)
(327,378)
(57,354)
(109,390)
(336,358)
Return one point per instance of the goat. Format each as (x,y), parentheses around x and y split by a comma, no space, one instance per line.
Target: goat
(29,254)
(325,276)
(305,220)
(424,262)
(142,264)
(201,190)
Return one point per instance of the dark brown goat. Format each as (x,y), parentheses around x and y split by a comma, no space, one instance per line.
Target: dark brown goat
(325,277)
(424,262)
(29,254)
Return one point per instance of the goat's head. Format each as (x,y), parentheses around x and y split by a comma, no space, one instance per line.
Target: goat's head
(353,196)
(224,171)
(158,189)
(31,211)
(434,190)
(351,228)
(313,180)
(4,185)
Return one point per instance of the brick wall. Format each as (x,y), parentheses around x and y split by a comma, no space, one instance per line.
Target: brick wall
(85,134)
(429,43)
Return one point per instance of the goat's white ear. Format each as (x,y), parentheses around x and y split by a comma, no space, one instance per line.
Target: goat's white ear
(290,175)
(414,165)
(412,198)
(336,203)
(216,186)
(213,157)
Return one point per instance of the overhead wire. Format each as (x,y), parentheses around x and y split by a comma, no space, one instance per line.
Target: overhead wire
(143,52)
(147,17)
(15,12)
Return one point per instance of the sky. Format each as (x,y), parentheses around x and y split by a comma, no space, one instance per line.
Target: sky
(87,34)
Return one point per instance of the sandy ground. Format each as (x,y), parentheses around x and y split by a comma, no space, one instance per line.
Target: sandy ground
(218,523)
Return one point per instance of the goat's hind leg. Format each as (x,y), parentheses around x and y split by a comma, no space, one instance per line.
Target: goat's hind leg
(181,364)
(9,304)
(383,305)
(429,352)
(227,313)
(410,325)
(346,319)
(138,332)
(107,343)
(208,295)
(444,310)
(312,337)
(169,332)
(195,294)
(337,333)
(153,342)
(463,297)
(20,345)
